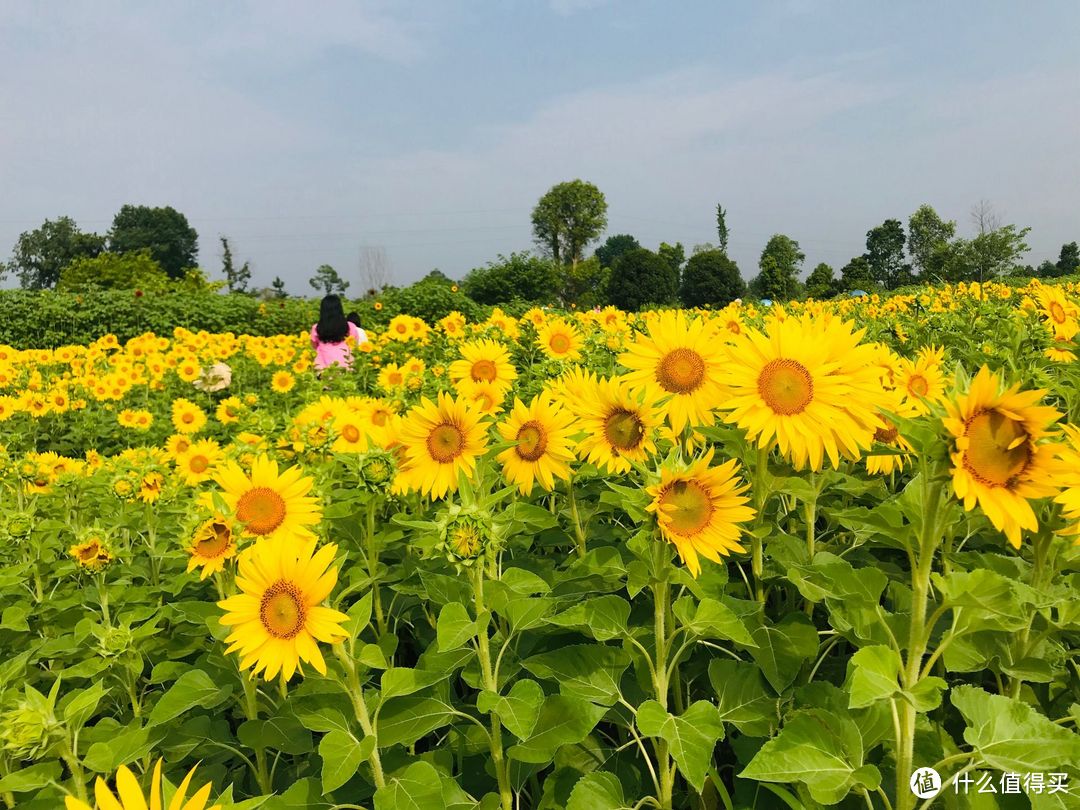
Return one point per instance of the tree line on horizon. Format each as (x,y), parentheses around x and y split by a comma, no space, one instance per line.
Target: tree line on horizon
(154,247)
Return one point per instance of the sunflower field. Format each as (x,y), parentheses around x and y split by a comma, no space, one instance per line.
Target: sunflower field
(755,558)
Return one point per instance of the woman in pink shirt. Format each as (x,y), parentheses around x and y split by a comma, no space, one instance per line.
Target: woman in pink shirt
(329,334)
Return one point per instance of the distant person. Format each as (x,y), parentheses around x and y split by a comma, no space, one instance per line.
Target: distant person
(329,334)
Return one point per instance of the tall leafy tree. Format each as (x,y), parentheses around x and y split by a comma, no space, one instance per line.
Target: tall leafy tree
(568,218)
(172,242)
(885,253)
(822,282)
(614,247)
(711,279)
(1069,259)
(779,265)
(519,275)
(857,275)
(721,228)
(928,241)
(278,286)
(236,277)
(40,255)
(641,277)
(114,271)
(326,278)
(675,255)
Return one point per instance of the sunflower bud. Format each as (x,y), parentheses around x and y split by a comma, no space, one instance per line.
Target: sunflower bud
(377,470)
(17,527)
(30,729)
(465,536)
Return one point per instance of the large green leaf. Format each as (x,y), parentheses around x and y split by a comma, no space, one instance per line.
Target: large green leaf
(603,617)
(819,749)
(455,626)
(691,736)
(1010,735)
(563,720)
(598,790)
(405,720)
(519,709)
(712,619)
(31,778)
(342,754)
(743,697)
(875,676)
(193,688)
(588,671)
(418,788)
(401,681)
(782,648)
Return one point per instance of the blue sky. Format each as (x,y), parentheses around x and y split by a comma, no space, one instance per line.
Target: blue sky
(305,131)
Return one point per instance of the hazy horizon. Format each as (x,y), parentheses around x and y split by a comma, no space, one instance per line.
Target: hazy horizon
(431,129)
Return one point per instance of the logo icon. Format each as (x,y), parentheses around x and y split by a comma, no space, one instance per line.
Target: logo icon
(925,783)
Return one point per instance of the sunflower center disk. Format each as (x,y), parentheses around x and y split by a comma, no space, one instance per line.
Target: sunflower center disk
(918,385)
(886,435)
(216,540)
(261,510)
(1057,312)
(483,371)
(445,442)
(350,433)
(687,506)
(786,386)
(681,371)
(532,441)
(623,430)
(282,611)
(559,343)
(198,464)
(999,449)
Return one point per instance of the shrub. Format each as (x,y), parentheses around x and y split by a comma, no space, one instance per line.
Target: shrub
(641,277)
(519,275)
(114,271)
(711,279)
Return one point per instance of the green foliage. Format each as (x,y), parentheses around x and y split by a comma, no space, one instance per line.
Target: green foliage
(721,228)
(40,255)
(779,266)
(711,279)
(165,232)
(885,255)
(1068,260)
(327,280)
(641,277)
(114,271)
(432,299)
(584,284)
(567,218)
(517,276)
(928,241)
(822,283)
(236,278)
(614,247)
(674,255)
(857,275)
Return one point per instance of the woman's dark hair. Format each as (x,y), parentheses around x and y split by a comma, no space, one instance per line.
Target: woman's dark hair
(332,326)
(354,318)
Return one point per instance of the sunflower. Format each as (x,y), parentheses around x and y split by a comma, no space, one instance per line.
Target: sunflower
(680,356)
(484,361)
(888,434)
(559,340)
(1069,454)
(998,461)
(229,410)
(391,377)
(1055,306)
(619,423)
(269,504)
(212,544)
(129,795)
(187,417)
(351,432)
(196,464)
(922,383)
(150,487)
(441,440)
(91,553)
(177,444)
(699,509)
(282,382)
(807,383)
(487,397)
(542,448)
(278,616)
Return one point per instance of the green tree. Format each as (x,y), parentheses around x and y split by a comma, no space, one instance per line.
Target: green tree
(721,227)
(41,254)
(988,255)
(711,279)
(675,255)
(779,265)
(885,253)
(857,275)
(326,278)
(278,286)
(1069,259)
(584,284)
(520,275)
(614,247)
(641,277)
(114,271)
(568,218)
(928,241)
(822,282)
(1047,269)
(236,278)
(172,242)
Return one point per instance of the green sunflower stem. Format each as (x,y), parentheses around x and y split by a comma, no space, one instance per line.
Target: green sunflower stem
(661,606)
(579,532)
(498,758)
(251,712)
(103,599)
(373,566)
